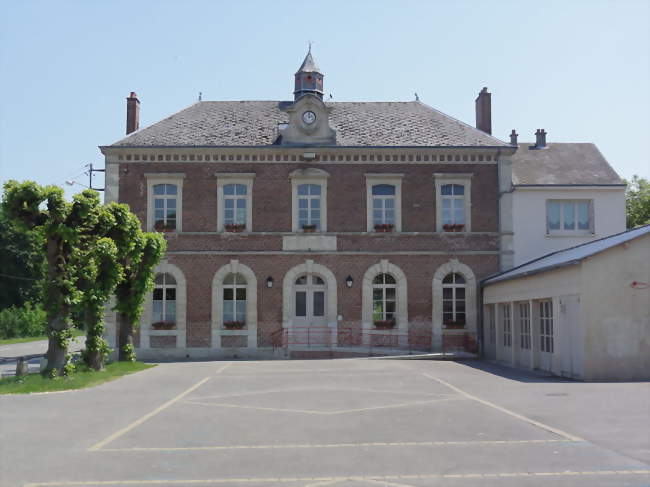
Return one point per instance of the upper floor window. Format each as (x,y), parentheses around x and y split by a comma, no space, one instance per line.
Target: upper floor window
(384,202)
(309,207)
(453,300)
(453,205)
(569,216)
(309,200)
(165,198)
(164,301)
(383,205)
(234,195)
(453,202)
(234,204)
(384,299)
(234,300)
(164,201)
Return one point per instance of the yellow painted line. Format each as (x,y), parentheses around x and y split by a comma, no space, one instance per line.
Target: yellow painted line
(336,445)
(543,426)
(338,479)
(323,413)
(148,416)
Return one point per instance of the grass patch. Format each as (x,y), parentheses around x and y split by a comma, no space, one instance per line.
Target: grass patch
(11,341)
(83,377)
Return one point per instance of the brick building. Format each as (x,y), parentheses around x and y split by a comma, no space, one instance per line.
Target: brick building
(314,227)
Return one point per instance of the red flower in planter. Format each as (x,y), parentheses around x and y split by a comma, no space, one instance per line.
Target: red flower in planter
(384,324)
(309,228)
(163,325)
(384,227)
(234,325)
(235,227)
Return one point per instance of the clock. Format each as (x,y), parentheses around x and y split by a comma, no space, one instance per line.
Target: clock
(309,117)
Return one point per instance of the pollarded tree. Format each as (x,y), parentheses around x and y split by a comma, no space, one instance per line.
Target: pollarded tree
(637,202)
(63,225)
(138,255)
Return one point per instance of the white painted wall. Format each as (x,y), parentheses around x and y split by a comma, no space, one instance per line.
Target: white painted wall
(529,217)
(601,313)
(616,312)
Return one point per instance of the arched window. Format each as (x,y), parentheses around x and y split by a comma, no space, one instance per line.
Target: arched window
(453,204)
(164,302)
(453,300)
(384,299)
(234,300)
(164,200)
(234,204)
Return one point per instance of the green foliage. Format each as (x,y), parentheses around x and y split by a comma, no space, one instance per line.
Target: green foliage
(129,353)
(637,202)
(24,321)
(21,263)
(82,378)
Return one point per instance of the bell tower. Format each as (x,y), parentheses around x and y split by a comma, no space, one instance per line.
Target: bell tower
(309,79)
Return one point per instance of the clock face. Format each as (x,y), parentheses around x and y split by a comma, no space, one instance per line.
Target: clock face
(309,117)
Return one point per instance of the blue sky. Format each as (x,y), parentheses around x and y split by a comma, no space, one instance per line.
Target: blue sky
(578,68)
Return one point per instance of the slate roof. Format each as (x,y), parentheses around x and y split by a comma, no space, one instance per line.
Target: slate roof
(254,123)
(570,256)
(562,164)
(309,65)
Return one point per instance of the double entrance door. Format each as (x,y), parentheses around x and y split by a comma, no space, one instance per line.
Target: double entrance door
(310,319)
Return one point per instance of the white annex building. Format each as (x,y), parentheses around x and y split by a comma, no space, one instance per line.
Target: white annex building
(582,312)
(564,194)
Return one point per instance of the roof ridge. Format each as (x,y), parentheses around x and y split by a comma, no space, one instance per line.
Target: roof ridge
(460,121)
(567,250)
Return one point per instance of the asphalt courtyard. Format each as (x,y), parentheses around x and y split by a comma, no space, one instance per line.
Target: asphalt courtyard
(357,422)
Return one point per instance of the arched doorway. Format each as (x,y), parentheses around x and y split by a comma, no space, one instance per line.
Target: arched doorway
(310,314)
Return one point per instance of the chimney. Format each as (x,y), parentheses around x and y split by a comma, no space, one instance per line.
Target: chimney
(540,139)
(484,111)
(513,138)
(132,113)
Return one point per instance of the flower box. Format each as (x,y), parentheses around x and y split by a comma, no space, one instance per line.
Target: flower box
(161,227)
(309,228)
(235,227)
(163,325)
(234,325)
(454,325)
(384,324)
(384,227)
(453,227)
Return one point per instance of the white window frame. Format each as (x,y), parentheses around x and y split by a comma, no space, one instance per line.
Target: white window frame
(244,178)
(525,338)
(546,335)
(492,324)
(393,179)
(454,298)
(575,230)
(309,198)
(383,287)
(506,322)
(240,283)
(462,179)
(164,178)
(308,176)
(164,286)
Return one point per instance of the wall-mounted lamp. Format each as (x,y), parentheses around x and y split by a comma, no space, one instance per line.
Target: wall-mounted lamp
(349,281)
(269,282)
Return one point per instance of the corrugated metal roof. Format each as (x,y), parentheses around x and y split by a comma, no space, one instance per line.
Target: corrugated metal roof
(569,256)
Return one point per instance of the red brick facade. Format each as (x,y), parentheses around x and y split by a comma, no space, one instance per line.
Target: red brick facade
(199,251)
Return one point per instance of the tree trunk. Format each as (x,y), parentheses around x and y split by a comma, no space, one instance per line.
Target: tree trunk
(125,335)
(55,355)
